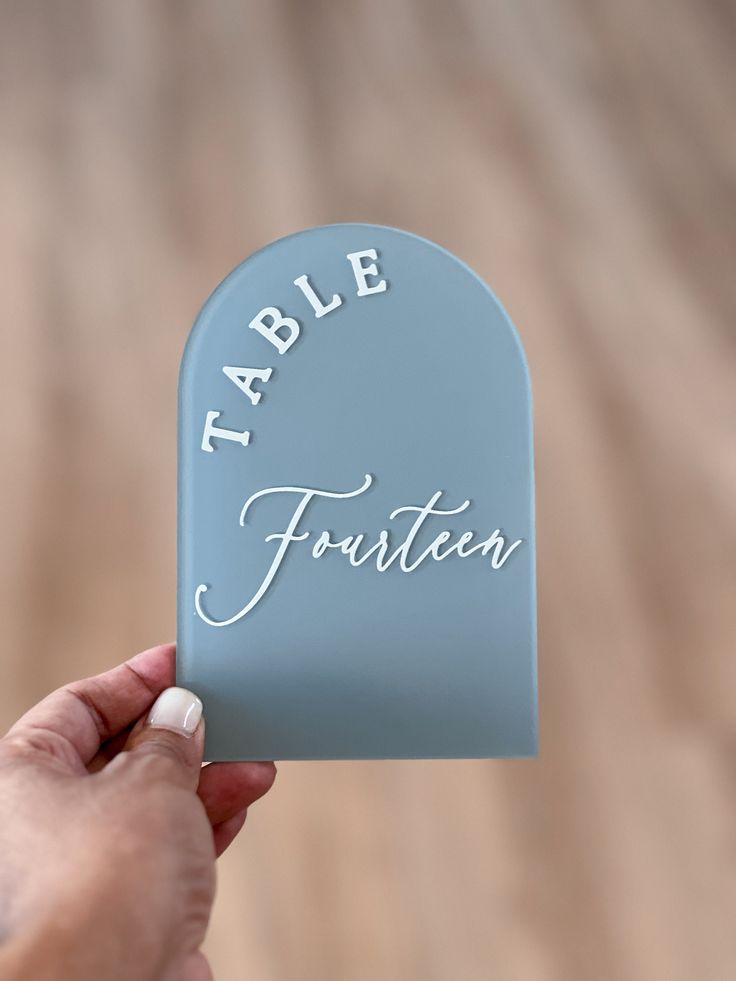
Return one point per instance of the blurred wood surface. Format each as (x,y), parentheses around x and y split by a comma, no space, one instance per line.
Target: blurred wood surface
(581,156)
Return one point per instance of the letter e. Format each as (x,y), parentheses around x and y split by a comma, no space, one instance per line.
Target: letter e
(362,272)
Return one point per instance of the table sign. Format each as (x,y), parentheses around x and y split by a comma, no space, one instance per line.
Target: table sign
(356,523)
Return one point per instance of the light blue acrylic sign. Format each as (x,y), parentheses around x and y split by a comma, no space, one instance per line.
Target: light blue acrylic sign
(356,507)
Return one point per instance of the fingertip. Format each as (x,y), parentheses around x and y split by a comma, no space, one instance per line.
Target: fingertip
(178,710)
(173,732)
(261,775)
(196,968)
(227,831)
(225,789)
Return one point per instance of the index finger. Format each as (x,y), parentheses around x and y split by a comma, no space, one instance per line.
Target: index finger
(75,720)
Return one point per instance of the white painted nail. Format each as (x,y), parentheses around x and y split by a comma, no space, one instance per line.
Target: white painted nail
(176,709)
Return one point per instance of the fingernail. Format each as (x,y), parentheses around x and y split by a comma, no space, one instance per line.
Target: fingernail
(176,709)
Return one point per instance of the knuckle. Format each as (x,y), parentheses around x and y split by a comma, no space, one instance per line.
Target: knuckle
(33,747)
(17,748)
(165,748)
(157,758)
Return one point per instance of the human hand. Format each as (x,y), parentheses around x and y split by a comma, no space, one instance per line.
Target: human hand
(109,829)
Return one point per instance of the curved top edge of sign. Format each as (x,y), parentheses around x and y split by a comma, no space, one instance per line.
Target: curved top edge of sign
(221,288)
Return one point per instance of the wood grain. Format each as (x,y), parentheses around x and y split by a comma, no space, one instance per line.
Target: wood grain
(582,157)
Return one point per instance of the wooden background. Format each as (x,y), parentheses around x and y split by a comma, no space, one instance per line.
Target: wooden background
(582,157)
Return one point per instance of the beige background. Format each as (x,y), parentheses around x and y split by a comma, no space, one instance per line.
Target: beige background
(581,157)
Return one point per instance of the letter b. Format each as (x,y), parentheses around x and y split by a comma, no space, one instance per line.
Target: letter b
(278,322)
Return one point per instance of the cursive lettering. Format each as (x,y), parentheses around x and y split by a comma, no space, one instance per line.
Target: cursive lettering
(381,551)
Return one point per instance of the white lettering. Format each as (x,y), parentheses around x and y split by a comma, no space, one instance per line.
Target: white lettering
(211,430)
(244,378)
(315,301)
(362,272)
(286,537)
(350,546)
(278,322)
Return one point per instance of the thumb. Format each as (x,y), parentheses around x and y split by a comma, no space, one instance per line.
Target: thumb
(172,733)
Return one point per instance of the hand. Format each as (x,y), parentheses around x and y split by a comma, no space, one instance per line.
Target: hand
(109,829)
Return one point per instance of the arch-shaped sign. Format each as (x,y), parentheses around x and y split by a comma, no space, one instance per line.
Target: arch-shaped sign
(356,524)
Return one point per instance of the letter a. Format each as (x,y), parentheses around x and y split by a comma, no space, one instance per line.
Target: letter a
(244,377)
